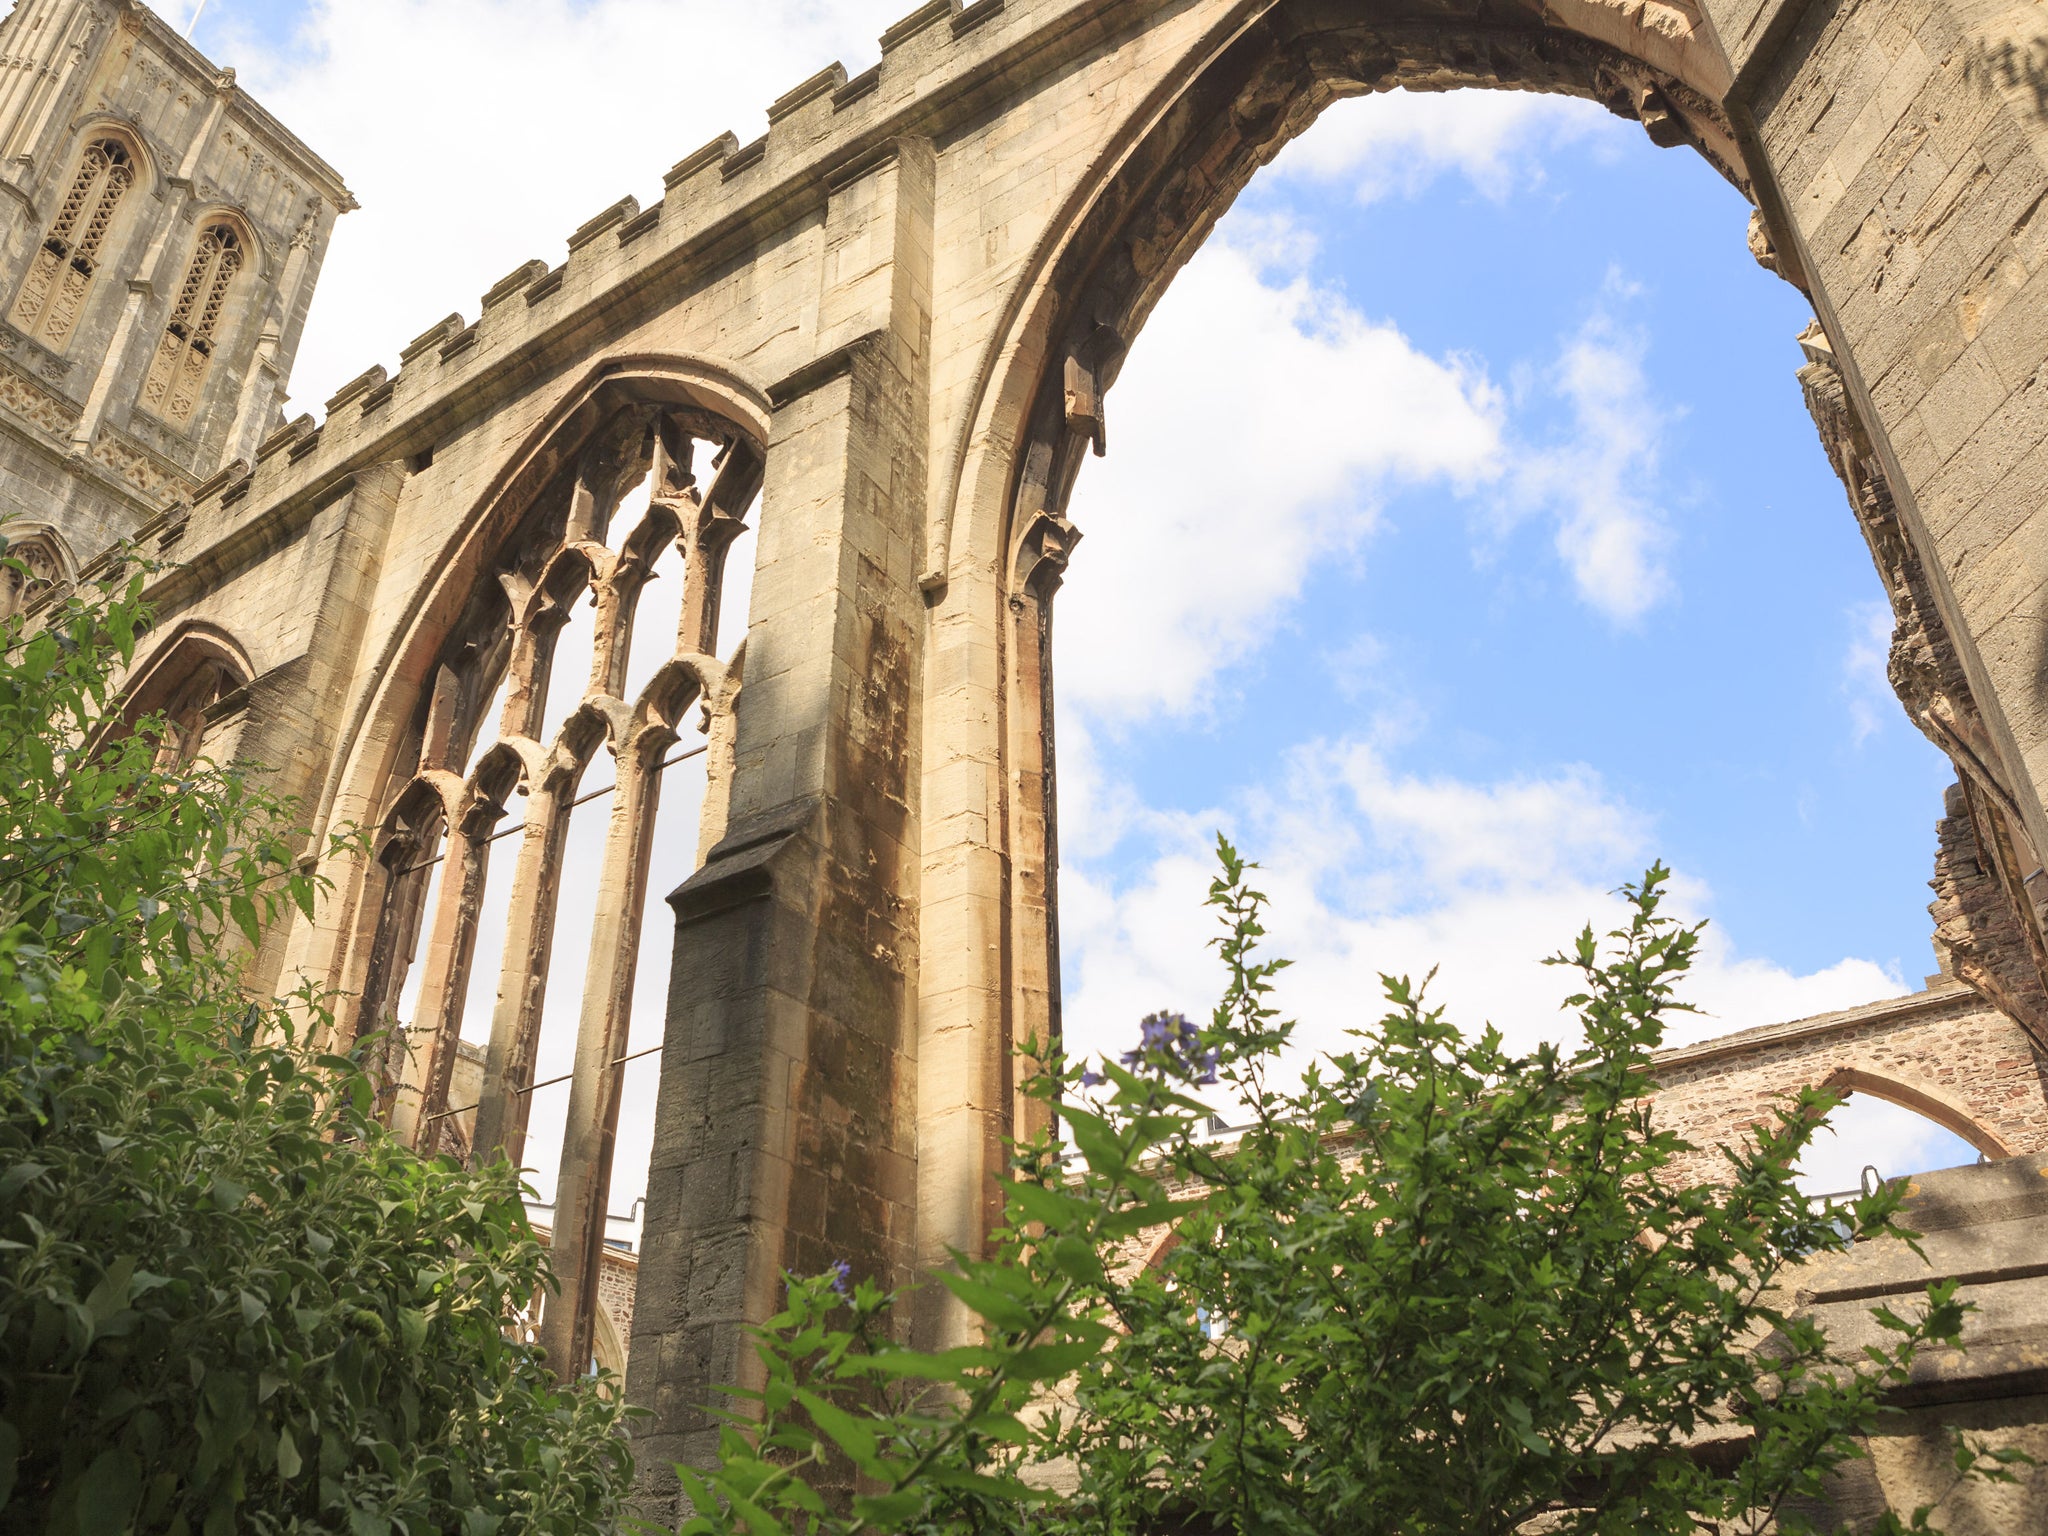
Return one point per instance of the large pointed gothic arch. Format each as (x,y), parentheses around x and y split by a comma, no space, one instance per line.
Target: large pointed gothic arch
(1102,264)
(478,653)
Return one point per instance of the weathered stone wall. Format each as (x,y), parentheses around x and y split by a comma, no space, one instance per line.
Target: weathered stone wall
(1897,150)
(1986,1228)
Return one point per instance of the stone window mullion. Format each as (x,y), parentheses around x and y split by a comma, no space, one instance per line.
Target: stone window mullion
(583,1187)
(451,950)
(709,532)
(407,856)
(523,975)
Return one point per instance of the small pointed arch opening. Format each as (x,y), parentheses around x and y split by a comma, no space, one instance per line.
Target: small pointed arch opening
(190,687)
(1920,1127)
(61,274)
(175,385)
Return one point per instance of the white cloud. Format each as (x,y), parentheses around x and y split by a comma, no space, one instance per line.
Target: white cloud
(1398,142)
(479,133)
(1598,483)
(1358,667)
(1373,870)
(1228,482)
(1864,676)
(1252,434)
(1867,1131)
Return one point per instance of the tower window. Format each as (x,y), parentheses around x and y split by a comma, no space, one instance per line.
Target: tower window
(61,274)
(178,371)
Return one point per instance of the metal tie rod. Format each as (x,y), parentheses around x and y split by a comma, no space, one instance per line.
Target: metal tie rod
(666,762)
(530,1087)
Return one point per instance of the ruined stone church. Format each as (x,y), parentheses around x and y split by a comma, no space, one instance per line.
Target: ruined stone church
(872,349)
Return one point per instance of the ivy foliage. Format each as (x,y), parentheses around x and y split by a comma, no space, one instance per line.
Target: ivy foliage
(229,1301)
(1434,1287)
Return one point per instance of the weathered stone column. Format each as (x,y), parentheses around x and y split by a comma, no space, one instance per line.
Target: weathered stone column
(786,1124)
(1900,154)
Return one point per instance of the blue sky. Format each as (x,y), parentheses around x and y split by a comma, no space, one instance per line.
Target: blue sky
(1464,543)
(1612,607)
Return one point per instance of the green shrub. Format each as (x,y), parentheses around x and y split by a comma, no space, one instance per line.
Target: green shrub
(1436,1288)
(228,1300)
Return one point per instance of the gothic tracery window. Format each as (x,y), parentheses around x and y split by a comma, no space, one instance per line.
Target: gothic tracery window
(186,688)
(177,373)
(596,633)
(29,566)
(62,271)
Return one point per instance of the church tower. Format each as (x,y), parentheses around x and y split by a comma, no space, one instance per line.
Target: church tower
(160,235)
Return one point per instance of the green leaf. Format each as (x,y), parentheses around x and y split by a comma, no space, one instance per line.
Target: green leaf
(758,1520)
(889,1511)
(16,1178)
(288,1462)
(846,1431)
(110,1296)
(1098,1143)
(1051,1362)
(993,1305)
(109,1493)
(412,1329)
(1051,1208)
(1007,1488)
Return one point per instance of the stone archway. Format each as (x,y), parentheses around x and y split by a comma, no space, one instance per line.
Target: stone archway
(1038,409)
(1945,1054)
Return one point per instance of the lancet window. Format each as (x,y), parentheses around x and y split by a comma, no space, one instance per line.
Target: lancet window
(185,714)
(515,868)
(177,373)
(61,274)
(187,687)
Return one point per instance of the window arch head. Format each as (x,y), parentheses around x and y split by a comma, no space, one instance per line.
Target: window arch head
(33,559)
(62,271)
(184,685)
(177,374)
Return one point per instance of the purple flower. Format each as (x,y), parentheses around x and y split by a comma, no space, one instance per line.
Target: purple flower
(841,1271)
(1168,1045)
(1091,1079)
